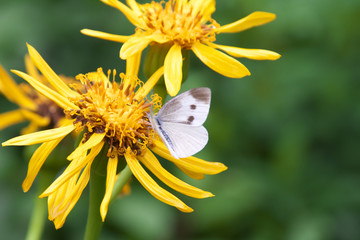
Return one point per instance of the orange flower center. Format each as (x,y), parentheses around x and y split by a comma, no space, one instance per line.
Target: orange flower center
(182,25)
(108,107)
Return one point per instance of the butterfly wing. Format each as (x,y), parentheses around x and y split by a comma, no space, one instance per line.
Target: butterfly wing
(183,140)
(190,108)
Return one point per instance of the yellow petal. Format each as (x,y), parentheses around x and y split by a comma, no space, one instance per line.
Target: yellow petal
(190,173)
(203,7)
(173,70)
(220,62)
(11,118)
(132,69)
(35,118)
(179,4)
(134,6)
(191,163)
(152,187)
(50,75)
(37,160)
(47,92)
(74,167)
(60,208)
(40,137)
(32,127)
(252,20)
(133,46)
(31,69)
(106,36)
(94,140)
(255,54)
(150,83)
(151,162)
(11,91)
(129,14)
(110,182)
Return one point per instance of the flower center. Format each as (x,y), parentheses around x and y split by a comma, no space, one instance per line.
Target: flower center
(183,25)
(108,107)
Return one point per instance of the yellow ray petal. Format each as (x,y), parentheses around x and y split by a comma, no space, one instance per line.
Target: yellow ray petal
(134,6)
(133,46)
(129,14)
(32,127)
(256,54)
(173,70)
(203,7)
(150,83)
(73,191)
(110,182)
(47,92)
(35,118)
(106,36)
(191,163)
(252,20)
(37,160)
(152,187)
(80,185)
(220,62)
(74,167)
(132,69)
(11,91)
(151,162)
(191,174)
(50,75)
(11,118)
(179,4)
(94,140)
(39,137)
(31,69)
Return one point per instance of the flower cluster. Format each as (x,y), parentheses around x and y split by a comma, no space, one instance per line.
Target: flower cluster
(112,115)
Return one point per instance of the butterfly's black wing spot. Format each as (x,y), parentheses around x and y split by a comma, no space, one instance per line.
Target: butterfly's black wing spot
(190,119)
(192,106)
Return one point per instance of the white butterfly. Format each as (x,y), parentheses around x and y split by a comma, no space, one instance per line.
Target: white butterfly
(179,123)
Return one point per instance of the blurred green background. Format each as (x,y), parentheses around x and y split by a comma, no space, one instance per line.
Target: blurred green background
(289,133)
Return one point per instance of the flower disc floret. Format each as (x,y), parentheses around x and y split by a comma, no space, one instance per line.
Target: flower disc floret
(110,108)
(177,25)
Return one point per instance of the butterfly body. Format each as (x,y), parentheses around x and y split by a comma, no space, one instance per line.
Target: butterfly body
(179,123)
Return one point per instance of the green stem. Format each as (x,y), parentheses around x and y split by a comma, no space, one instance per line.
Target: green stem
(97,191)
(120,182)
(38,215)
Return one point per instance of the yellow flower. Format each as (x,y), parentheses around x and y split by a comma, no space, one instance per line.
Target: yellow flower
(33,107)
(114,118)
(184,24)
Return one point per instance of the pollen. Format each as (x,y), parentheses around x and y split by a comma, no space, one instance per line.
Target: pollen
(182,25)
(108,107)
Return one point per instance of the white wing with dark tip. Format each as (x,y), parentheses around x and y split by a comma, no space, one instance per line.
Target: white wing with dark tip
(191,107)
(179,122)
